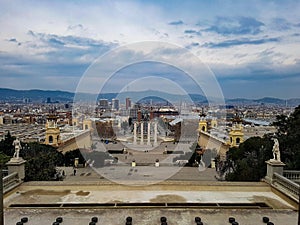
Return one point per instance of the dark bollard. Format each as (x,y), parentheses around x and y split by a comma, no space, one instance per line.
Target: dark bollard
(265,219)
(199,223)
(197,219)
(164,223)
(24,219)
(95,219)
(129,219)
(231,219)
(59,219)
(163,219)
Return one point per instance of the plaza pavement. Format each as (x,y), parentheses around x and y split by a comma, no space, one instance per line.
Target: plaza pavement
(146,193)
(80,197)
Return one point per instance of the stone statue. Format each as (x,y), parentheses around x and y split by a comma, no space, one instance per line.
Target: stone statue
(18,147)
(276,151)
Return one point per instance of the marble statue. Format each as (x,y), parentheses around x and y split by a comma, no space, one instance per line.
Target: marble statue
(276,151)
(18,147)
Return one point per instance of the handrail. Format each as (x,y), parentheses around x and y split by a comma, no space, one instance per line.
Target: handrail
(10,182)
(286,184)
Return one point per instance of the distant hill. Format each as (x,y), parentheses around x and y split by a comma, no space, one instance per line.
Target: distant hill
(11,95)
(266,100)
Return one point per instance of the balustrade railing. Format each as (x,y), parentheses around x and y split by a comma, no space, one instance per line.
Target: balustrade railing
(289,186)
(10,182)
(292,175)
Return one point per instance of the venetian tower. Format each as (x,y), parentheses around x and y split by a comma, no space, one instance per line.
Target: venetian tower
(236,134)
(87,124)
(202,124)
(52,131)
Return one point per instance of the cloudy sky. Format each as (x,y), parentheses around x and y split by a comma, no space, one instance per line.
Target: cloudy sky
(251,47)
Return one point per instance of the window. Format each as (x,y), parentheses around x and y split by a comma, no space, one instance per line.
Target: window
(50,139)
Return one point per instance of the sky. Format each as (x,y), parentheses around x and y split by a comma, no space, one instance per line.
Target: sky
(252,48)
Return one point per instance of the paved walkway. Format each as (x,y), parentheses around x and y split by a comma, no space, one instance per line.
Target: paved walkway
(146,173)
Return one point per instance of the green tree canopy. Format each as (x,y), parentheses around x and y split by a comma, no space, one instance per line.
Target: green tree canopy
(288,136)
(41,160)
(6,145)
(247,162)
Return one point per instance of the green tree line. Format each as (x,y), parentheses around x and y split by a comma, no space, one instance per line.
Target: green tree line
(42,160)
(247,162)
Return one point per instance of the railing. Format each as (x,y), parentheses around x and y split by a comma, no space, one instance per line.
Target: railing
(292,175)
(287,185)
(11,181)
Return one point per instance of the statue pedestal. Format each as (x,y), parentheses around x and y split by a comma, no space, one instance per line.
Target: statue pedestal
(273,166)
(17,165)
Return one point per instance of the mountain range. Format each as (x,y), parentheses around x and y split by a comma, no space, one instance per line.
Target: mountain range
(42,96)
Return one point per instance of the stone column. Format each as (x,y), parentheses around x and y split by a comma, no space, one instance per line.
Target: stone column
(155,134)
(17,165)
(273,166)
(134,133)
(142,133)
(148,133)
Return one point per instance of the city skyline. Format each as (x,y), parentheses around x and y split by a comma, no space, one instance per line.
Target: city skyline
(250,47)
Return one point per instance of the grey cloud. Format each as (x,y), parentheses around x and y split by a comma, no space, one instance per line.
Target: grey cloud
(68,48)
(193,44)
(175,23)
(243,41)
(236,26)
(13,40)
(192,32)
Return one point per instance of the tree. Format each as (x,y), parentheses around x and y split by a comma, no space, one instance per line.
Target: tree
(3,158)
(41,161)
(6,145)
(247,162)
(288,136)
(71,155)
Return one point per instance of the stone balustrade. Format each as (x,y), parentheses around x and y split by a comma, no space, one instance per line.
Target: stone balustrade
(10,182)
(289,187)
(293,175)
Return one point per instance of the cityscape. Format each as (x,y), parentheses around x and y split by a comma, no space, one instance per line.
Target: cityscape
(154,113)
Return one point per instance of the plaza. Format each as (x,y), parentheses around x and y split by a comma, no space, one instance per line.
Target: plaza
(181,197)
